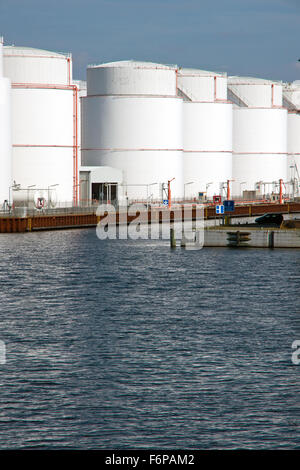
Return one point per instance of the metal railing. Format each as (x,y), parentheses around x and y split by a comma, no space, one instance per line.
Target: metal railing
(90,207)
(61,209)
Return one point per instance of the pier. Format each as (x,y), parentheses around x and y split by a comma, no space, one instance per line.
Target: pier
(86,217)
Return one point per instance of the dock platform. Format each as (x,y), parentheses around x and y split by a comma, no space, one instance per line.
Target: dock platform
(10,223)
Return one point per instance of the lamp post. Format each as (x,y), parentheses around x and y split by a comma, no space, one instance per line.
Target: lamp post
(241,184)
(280,191)
(295,179)
(15,187)
(50,186)
(28,188)
(206,187)
(292,167)
(169,192)
(228,189)
(185,184)
(148,185)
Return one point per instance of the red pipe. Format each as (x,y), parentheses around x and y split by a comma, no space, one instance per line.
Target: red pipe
(215,88)
(48,86)
(75,145)
(169,193)
(228,190)
(42,145)
(69,70)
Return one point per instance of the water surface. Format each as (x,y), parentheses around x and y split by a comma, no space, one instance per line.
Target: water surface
(127,344)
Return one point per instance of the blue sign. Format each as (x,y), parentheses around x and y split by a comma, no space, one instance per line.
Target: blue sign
(228,206)
(165,202)
(220,209)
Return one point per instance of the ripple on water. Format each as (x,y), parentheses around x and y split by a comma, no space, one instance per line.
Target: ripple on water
(123,344)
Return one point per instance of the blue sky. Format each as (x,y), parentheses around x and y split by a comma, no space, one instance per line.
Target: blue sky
(241,37)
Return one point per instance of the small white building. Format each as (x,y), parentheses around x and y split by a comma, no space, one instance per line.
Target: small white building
(101,184)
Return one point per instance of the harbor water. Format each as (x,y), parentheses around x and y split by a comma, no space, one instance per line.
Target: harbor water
(123,344)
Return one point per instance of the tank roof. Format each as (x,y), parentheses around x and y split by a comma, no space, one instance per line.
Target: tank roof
(235,80)
(200,72)
(135,64)
(31,51)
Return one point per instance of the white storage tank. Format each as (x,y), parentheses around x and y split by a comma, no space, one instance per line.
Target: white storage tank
(45,121)
(5,134)
(207,132)
(31,66)
(129,77)
(132,120)
(291,99)
(256,92)
(259,134)
(81,86)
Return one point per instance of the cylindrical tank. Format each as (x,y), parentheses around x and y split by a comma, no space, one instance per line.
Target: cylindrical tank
(259,134)
(293,162)
(28,65)
(259,147)
(256,92)
(131,78)
(201,85)
(132,120)
(44,120)
(207,131)
(81,86)
(5,135)
(291,95)
(1,56)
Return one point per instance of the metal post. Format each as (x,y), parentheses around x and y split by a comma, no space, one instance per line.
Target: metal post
(169,193)
(172,237)
(206,188)
(228,190)
(190,182)
(51,186)
(241,191)
(29,187)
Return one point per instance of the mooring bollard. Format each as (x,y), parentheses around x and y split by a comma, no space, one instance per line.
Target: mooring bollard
(172,238)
